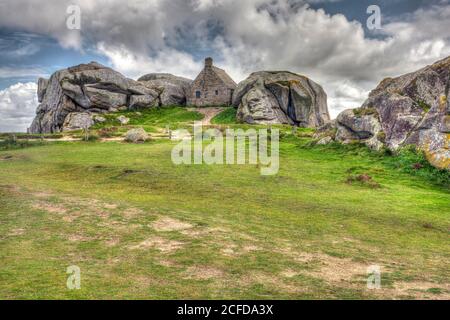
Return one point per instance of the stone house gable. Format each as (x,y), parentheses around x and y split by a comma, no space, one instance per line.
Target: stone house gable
(212,87)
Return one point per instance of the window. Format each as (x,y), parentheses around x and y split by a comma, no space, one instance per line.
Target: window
(198,94)
(217,92)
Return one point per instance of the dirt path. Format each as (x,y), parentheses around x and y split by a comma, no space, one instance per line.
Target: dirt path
(209,113)
(63,139)
(112,139)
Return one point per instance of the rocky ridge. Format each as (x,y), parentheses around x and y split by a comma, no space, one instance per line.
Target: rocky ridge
(71,98)
(413,109)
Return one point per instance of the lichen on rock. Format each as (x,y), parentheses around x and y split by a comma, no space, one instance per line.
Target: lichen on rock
(281,97)
(412,109)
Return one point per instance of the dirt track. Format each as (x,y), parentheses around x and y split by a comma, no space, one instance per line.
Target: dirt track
(209,113)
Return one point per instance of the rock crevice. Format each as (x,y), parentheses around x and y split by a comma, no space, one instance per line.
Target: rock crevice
(281,98)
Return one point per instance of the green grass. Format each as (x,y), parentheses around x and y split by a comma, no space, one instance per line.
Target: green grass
(407,160)
(11,144)
(224,231)
(423,105)
(21,135)
(88,204)
(226,117)
(151,119)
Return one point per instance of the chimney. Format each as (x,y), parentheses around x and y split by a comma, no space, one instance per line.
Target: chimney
(208,62)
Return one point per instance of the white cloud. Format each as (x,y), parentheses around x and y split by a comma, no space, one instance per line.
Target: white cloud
(18,105)
(244,36)
(257,34)
(42,17)
(171,61)
(19,72)
(21,51)
(346,96)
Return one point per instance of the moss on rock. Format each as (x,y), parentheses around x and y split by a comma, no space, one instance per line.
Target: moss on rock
(369,111)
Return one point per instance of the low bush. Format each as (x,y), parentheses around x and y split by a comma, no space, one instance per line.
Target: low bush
(107,132)
(363,180)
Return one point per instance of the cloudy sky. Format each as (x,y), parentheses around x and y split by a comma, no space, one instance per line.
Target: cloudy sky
(327,40)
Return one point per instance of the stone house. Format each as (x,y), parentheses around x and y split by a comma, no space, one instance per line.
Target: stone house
(212,87)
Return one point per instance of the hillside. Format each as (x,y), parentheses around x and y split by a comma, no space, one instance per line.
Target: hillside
(141,227)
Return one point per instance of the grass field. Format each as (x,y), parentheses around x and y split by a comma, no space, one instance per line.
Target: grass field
(153,119)
(140,227)
(226,117)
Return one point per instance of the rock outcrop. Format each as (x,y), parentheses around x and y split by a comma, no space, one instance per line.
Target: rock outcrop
(366,127)
(42,88)
(95,89)
(86,88)
(173,90)
(136,135)
(78,121)
(123,120)
(413,109)
(281,98)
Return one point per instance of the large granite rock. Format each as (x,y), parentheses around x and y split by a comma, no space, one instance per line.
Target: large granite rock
(94,88)
(353,126)
(411,109)
(136,135)
(281,97)
(78,121)
(55,106)
(172,89)
(42,88)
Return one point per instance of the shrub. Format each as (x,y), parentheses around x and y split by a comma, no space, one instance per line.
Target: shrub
(364,180)
(107,132)
(11,142)
(417,166)
(91,138)
(381,136)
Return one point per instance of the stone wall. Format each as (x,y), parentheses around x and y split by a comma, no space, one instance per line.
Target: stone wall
(209,89)
(210,95)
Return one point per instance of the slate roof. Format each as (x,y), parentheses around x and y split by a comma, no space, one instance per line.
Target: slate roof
(224,77)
